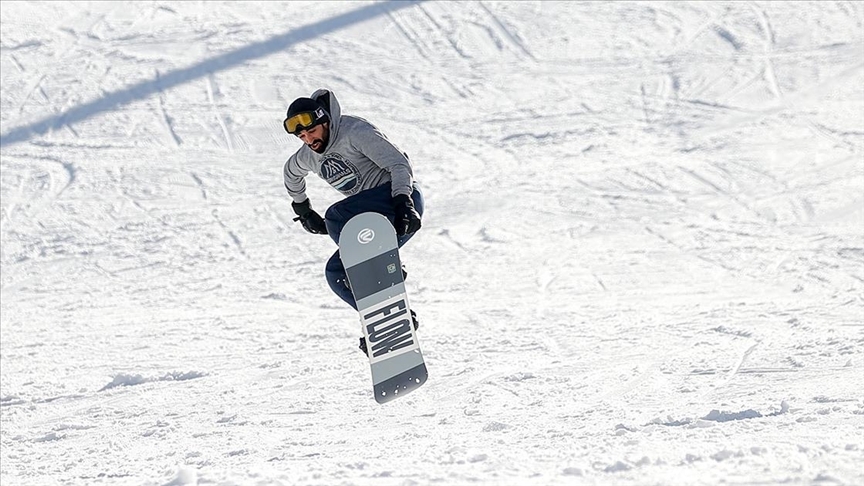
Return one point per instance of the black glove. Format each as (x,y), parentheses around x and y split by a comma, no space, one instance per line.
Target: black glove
(311,221)
(407,219)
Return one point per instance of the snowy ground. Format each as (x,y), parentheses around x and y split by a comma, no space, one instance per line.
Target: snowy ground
(642,260)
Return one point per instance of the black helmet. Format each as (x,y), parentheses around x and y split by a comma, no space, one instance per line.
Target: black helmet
(303,114)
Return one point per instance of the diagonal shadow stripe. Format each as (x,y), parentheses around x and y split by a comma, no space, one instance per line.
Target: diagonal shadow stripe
(225,61)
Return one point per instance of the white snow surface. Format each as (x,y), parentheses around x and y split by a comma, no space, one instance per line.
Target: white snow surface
(642,259)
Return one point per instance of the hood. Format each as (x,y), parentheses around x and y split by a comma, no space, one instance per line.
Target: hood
(331,104)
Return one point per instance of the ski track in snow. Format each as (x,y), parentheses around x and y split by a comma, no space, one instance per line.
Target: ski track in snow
(642,260)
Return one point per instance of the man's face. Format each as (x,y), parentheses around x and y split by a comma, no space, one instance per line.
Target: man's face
(316,137)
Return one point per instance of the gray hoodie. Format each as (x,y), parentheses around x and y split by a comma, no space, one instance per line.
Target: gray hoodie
(358,157)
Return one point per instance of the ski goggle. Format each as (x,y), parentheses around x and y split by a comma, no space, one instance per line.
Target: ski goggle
(304,121)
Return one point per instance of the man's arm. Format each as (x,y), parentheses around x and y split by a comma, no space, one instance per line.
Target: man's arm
(295,182)
(295,179)
(373,144)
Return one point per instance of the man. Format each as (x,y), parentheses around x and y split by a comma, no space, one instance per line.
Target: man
(354,157)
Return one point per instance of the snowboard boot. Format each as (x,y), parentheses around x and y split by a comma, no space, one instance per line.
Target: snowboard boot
(413,320)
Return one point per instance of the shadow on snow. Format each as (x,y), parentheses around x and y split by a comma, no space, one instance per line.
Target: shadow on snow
(142,90)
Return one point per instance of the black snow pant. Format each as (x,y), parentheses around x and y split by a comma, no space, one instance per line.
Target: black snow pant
(377,200)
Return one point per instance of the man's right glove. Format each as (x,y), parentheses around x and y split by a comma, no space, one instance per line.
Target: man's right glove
(311,221)
(407,218)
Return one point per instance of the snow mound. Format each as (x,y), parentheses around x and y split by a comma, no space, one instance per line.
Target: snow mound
(720,416)
(124,379)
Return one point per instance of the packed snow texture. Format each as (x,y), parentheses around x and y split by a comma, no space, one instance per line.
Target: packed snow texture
(642,260)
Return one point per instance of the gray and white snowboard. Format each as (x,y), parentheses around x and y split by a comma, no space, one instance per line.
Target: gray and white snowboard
(370,254)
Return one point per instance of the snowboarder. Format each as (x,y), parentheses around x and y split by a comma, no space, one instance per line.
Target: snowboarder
(354,157)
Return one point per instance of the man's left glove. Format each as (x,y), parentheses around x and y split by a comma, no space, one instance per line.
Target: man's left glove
(311,221)
(407,218)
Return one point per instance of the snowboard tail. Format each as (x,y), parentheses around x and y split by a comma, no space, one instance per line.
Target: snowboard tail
(370,253)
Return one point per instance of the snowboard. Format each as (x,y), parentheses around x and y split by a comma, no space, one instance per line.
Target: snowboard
(370,254)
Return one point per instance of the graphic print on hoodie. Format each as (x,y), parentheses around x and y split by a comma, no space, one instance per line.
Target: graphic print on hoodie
(339,173)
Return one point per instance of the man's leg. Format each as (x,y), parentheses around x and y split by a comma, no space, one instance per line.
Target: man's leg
(336,217)
(338,279)
(373,200)
(377,200)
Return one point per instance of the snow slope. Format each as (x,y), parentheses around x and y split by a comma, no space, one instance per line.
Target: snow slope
(642,260)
